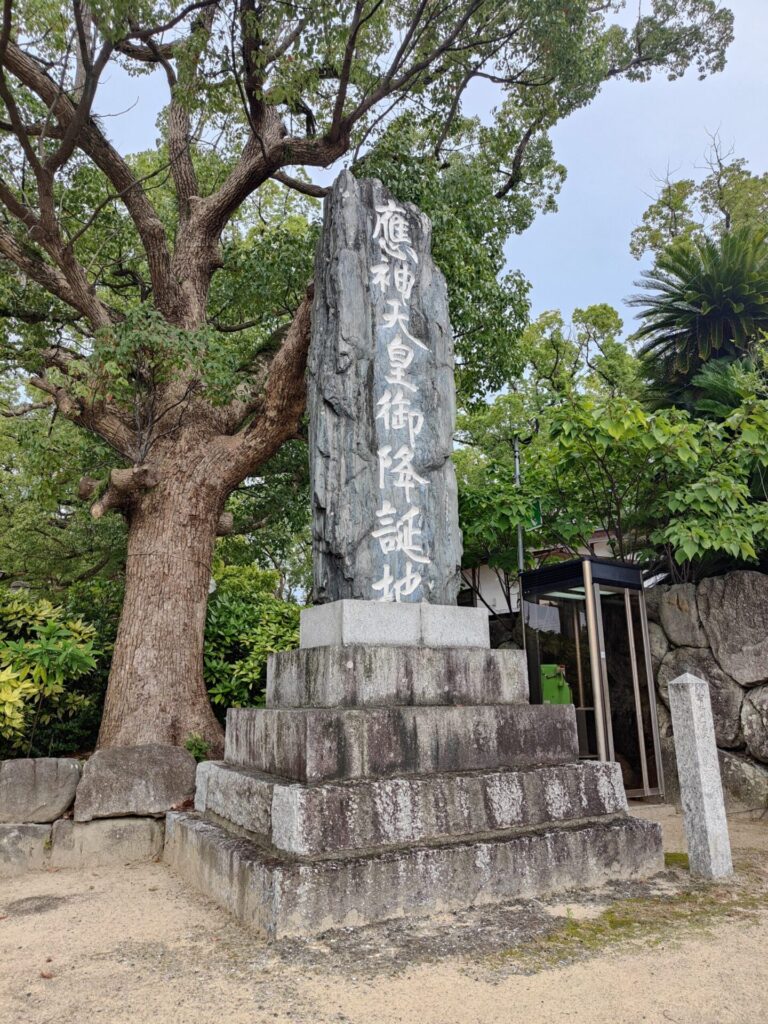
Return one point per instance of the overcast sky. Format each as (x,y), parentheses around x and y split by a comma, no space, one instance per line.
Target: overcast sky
(612,149)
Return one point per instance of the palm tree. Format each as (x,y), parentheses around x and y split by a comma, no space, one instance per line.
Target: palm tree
(705,298)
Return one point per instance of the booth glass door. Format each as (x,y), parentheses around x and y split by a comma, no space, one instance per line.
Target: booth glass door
(629,708)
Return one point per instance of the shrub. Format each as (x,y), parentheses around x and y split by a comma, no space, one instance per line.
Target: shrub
(246,622)
(43,655)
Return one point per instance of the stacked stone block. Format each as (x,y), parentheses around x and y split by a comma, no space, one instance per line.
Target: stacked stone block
(400,778)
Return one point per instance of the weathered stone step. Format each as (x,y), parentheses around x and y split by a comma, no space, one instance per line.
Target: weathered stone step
(327,817)
(281,897)
(365,676)
(313,744)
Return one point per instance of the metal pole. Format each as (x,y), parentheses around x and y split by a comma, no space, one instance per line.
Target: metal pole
(594,662)
(520,546)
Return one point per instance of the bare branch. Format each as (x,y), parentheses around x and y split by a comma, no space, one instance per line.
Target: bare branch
(307,188)
(22,410)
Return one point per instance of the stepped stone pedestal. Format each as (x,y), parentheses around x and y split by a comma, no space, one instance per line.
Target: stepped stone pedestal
(400,775)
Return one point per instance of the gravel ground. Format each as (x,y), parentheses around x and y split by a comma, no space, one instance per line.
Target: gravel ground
(135,945)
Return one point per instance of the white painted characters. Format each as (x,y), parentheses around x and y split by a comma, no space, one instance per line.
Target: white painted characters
(394,232)
(398,530)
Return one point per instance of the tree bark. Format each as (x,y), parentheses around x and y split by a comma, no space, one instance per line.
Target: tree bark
(156,692)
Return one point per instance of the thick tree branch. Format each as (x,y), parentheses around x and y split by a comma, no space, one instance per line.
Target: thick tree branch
(124,485)
(516,172)
(282,403)
(94,144)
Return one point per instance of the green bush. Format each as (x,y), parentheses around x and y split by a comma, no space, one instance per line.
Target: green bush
(245,623)
(46,658)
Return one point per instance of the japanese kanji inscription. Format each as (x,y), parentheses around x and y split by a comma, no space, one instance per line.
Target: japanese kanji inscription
(381,405)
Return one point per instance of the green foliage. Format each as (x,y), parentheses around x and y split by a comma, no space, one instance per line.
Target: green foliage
(48,539)
(246,622)
(489,308)
(706,298)
(728,198)
(198,747)
(44,657)
(668,486)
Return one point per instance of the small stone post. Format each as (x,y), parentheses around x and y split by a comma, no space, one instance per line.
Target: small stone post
(701,791)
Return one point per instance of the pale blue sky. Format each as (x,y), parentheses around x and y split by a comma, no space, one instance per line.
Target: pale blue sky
(612,149)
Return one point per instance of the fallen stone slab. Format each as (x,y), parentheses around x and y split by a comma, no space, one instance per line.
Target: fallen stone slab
(369,814)
(24,848)
(135,781)
(314,744)
(281,897)
(37,789)
(361,675)
(106,842)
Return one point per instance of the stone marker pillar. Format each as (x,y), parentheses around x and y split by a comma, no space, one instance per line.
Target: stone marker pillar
(381,405)
(701,790)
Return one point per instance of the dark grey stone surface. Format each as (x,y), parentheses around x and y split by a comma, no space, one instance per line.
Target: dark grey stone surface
(744,781)
(734,613)
(360,676)
(37,789)
(726,695)
(679,615)
(326,743)
(754,720)
(377,813)
(349,363)
(281,897)
(144,780)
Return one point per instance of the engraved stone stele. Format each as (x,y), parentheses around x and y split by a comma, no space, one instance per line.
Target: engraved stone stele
(398,766)
(382,405)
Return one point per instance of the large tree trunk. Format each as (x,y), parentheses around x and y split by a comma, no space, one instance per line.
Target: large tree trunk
(156,691)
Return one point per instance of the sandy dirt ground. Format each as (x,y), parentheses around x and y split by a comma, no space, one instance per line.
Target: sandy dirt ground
(135,946)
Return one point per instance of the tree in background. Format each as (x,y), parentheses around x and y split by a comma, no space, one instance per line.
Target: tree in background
(728,197)
(124,290)
(705,298)
(672,490)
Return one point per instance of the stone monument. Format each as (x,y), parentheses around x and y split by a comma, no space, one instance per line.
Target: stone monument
(382,406)
(397,768)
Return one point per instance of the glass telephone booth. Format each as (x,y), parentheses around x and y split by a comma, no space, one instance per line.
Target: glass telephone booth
(586,640)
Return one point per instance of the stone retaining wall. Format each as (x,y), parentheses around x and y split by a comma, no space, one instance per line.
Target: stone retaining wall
(59,812)
(718,630)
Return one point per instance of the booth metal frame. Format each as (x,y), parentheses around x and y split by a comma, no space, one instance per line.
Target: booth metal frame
(584,579)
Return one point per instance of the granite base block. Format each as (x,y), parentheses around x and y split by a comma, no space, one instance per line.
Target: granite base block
(331,817)
(377,623)
(363,676)
(315,744)
(281,897)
